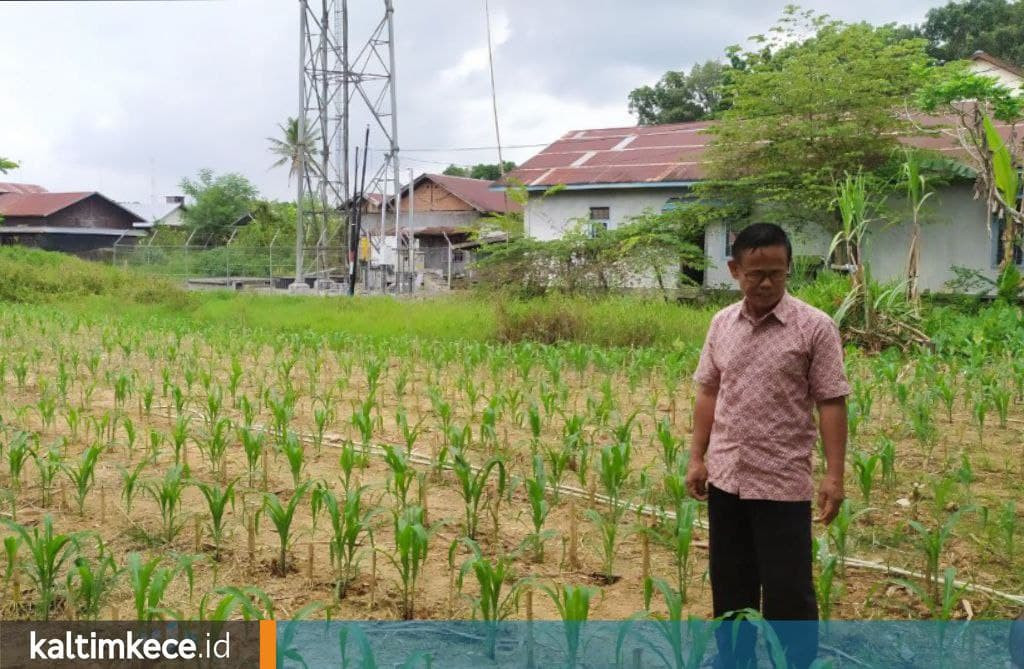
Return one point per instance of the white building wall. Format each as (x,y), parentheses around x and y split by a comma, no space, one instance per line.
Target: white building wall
(1006,78)
(953,232)
(551,217)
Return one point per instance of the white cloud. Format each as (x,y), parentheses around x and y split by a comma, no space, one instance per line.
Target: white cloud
(115,95)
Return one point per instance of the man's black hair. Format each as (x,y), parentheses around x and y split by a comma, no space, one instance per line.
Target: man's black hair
(760,235)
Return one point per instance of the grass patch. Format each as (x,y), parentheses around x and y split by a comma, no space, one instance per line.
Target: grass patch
(96,290)
(32,276)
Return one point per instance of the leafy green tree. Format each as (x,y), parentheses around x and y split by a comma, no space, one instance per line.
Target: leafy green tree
(219,201)
(679,97)
(810,103)
(958,29)
(289,149)
(943,91)
(581,262)
(488,171)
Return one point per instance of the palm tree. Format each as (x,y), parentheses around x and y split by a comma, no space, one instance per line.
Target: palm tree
(289,149)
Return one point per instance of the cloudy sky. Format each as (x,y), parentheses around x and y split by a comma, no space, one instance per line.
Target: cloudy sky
(129,97)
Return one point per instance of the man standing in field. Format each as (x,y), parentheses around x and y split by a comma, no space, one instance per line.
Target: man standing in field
(767,362)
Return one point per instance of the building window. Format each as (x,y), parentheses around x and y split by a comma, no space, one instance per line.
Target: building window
(599,219)
(730,237)
(458,256)
(678,202)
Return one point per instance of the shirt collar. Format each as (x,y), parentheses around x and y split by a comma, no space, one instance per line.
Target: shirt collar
(781,311)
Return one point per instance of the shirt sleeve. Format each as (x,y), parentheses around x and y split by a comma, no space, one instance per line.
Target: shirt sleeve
(707,373)
(827,377)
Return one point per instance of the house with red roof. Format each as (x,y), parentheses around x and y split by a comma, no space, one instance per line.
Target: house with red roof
(84,223)
(445,211)
(610,175)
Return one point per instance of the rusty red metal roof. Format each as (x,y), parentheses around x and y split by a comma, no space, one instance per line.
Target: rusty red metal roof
(41,205)
(635,154)
(474,192)
(38,204)
(664,154)
(20,189)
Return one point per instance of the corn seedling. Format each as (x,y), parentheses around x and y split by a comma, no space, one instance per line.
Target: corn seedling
(1007,523)
(252,444)
(217,500)
(130,481)
(942,603)
(401,474)
(217,445)
(864,467)
(167,494)
(573,604)
(681,541)
(179,435)
(83,474)
(827,564)
(149,582)
(411,543)
(350,521)
(685,650)
(932,541)
(348,460)
(18,452)
(89,583)
(472,484)
(492,605)
(49,465)
(282,517)
(536,491)
(48,553)
(887,457)
(295,453)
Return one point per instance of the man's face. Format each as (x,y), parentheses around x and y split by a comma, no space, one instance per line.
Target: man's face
(762,275)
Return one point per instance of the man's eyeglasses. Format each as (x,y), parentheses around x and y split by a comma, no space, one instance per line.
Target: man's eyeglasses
(757,276)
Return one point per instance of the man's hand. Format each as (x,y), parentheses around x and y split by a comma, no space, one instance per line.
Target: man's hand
(697,479)
(830,497)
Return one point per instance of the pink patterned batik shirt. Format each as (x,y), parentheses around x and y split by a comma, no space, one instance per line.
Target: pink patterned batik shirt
(769,372)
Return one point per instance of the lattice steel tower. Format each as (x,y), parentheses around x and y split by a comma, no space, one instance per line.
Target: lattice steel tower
(334,80)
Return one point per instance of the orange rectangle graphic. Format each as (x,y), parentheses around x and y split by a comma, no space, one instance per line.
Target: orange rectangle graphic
(268,644)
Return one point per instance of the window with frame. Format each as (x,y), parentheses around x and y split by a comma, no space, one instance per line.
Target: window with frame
(599,220)
(730,238)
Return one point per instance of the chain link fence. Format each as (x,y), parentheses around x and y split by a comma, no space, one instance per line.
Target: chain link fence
(275,263)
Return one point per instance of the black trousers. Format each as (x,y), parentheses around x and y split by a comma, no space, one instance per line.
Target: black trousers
(760,558)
